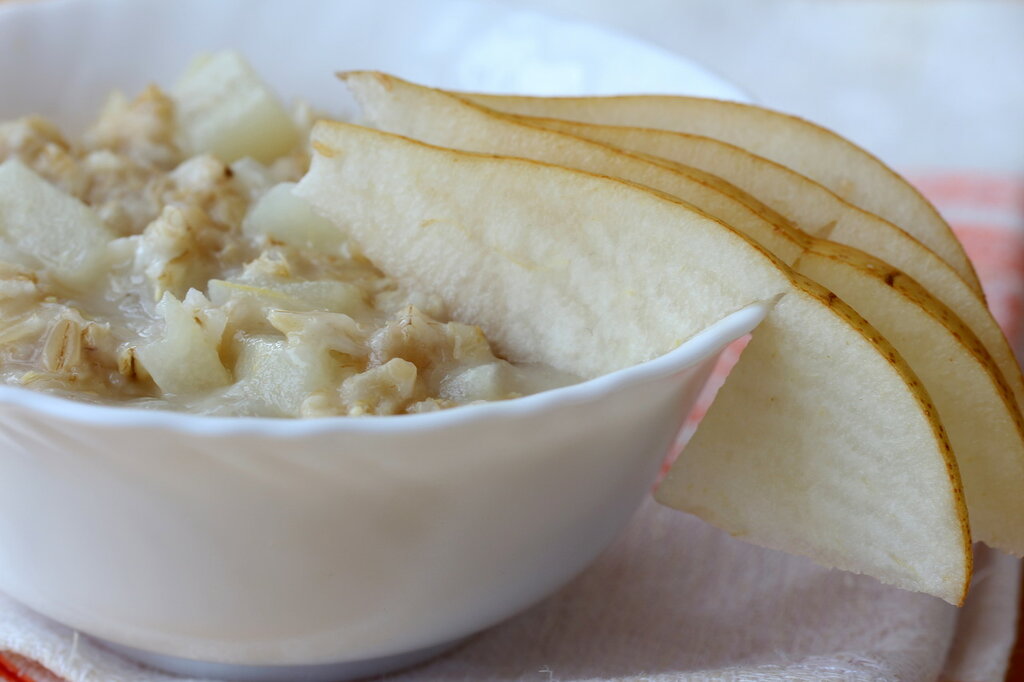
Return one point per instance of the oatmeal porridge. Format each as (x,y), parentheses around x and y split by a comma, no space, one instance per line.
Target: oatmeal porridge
(162,261)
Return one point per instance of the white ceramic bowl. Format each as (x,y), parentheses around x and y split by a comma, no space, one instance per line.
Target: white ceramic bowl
(288,550)
(265,543)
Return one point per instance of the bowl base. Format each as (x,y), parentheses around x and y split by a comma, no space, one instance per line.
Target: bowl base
(321,672)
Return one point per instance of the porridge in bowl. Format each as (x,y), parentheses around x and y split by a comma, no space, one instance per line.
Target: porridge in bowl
(163,261)
(205,542)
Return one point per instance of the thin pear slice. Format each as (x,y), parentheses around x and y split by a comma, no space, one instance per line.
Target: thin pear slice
(533,297)
(436,117)
(627,274)
(762,490)
(812,207)
(809,149)
(417,111)
(978,403)
(974,401)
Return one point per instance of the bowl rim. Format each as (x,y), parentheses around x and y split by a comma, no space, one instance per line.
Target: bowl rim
(702,346)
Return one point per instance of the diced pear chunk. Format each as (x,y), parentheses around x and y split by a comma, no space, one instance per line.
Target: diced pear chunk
(491,381)
(327,295)
(224,109)
(222,291)
(384,389)
(321,332)
(276,379)
(56,231)
(284,217)
(185,359)
(331,295)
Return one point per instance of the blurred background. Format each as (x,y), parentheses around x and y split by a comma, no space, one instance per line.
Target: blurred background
(923,82)
(933,87)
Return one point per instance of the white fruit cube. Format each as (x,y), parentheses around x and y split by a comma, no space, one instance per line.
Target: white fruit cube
(50,229)
(224,109)
(221,292)
(330,295)
(326,295)
(284,217)
(491,381)
(275,378)
(185,359)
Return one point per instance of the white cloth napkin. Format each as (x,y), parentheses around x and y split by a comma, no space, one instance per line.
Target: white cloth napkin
(675,599)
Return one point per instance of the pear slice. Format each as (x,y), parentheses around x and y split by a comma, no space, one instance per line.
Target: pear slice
(590,274)
(441,118)
(509,271)
(436,117)
(812,207)
(974,402)
(750,470)
(807,148)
